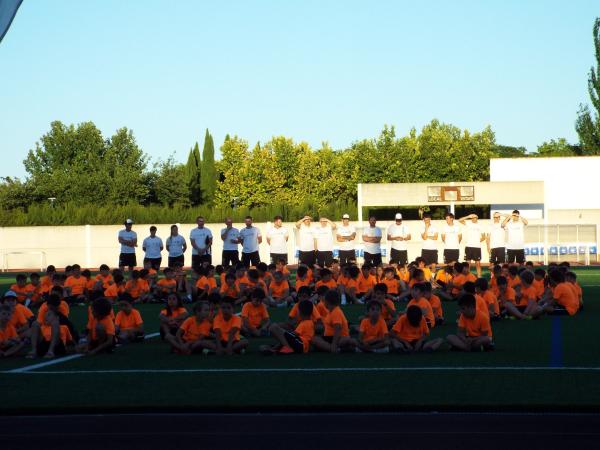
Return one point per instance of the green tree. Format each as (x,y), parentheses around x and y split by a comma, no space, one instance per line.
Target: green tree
(14,194)
(193,176)
(208,177)
(559,147)
(588,125)
(506,151)
(171,186)
(232,169)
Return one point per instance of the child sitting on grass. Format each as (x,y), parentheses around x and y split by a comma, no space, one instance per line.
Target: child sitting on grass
(129,323)
(255,317)
(336,336)
(172,316)
(100,328)
(194,335)
(227,329)
(10,343)
(474,329)
(297,341)
(409,333)
(50,338)
(373,331)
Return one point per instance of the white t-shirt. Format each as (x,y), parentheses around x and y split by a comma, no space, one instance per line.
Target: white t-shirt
(175,244)
(306,238)
(234,233)
(401,230)
(429,244)
(515,239)
(474,230)
(199,236)
(128,236)
(250,237)
(370,247)
(346,232)
(497,235)
(278,238)
(324,237)
(152,246)
(451,238)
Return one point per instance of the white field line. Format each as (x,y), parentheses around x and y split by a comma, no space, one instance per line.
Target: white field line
(319,370)
(52,362)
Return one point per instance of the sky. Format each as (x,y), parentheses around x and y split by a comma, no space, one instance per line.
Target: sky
(315,71)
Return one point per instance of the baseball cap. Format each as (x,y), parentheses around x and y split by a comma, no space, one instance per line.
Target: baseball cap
(9,294)
(129,221)
(346,216)
(398,216)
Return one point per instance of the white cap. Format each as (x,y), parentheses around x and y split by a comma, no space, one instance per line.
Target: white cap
(129,221)
(398,216)
(346,216)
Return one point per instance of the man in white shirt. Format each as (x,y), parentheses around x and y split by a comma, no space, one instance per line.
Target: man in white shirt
(230,237)
(346,234)
(306,241)
(372,238)
(324,242)
(153,246)
(429,234)
(250,238)
(451,237)
(515,237)
(475,236)
(277,237)
(398,233)
(176,246)
(496,240)
(128,241)
(201,239)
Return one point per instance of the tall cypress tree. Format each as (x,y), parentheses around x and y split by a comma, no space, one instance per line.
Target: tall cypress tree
(193,175)
(588,127)
(208,170)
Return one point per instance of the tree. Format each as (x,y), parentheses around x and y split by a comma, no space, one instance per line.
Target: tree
(559,147)
(171,185)
(588,126)
(231,167)
(14,194)
(208,177)
(193,175)
(506,151)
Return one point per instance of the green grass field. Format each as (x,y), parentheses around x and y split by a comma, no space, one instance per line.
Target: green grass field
(547,364)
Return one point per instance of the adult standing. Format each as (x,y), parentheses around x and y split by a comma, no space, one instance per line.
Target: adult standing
(153,246)
(451,237)
(306,241)
(324,242)
(346,234)
(398,233)
(429,234)
(201,239)
(372,238)
(496,240)
(277,237)
(128,241)
(515,237)
(250,238)
(475,236)
(231,238)
(176,246)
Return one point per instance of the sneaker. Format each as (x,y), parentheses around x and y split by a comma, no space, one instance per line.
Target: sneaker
(285,350)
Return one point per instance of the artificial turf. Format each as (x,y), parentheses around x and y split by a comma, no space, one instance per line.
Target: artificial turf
(453,380)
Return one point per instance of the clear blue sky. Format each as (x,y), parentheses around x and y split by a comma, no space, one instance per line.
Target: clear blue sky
(316,71)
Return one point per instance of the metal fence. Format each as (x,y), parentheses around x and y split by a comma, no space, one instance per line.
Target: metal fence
(554,243)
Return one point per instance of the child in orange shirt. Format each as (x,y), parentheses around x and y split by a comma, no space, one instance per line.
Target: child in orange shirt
(409,333)
(35,286)
(172,316)
(527,299)
(302,278)
(21,317)
(75,286)
(418,299)
(349,290)
(571,279)
(279,291)
(194,335)
(255,317)
(474,329)
(10,343)
(50,338)
(394,285)
(167,286)
(298,340)
(118,287)
(336,336)
(507,298)
(137,288)
(20,288)
(206,283)
(129,324)
(560,299)
(388,309)
(228,287)
(365,283)
(482,289)
(46,281)
(227,329)
(373,331)
(101,329)
(435,302)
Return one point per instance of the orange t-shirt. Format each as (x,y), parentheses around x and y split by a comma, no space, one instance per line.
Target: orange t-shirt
(46,284)
(278,289)
(365,283)
(9,332)
(342,280)
(491,299)
(306,331)
(470,277)
(443,276)
(457,283)
(482,305)
(106,280)
(136,288)
(109,326)
(575,288)
(425,306)
(229,291)
(17,319)
(62,308)
(36,291)
(565,297)
(129,321)
(404,330)
(192,330)
(254,314)
(336,317)
(393,285)
(175,312)
(387,309)
(404,275)
(227,325)
(204,281)
(331,284)
(77,285)
(166,285)
(539,287)
(90,283)
(512,282)
(90,314)
(114,290)
(295,314)
(527,293)
(477,326)
(494,286)
(65,333)
(302,282)
(322,309)
(436,305)
(21,291)
(373,332)
(509,295)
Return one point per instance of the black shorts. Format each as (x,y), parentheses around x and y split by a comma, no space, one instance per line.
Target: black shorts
(250,259)
(198,260)
(372,258)
(498,255)
(324,259)
(294,341)
(127,260)
(154,262)
(451,255)
(176,261)
(230,258)
(347,257)
(429,256)
(43,346)
(472,254)
(328,339)
(277,256)
(521,308)
(307,258)
(400,256)
(172,331)
(517,256)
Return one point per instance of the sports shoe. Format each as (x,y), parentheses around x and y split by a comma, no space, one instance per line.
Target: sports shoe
(285,350)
